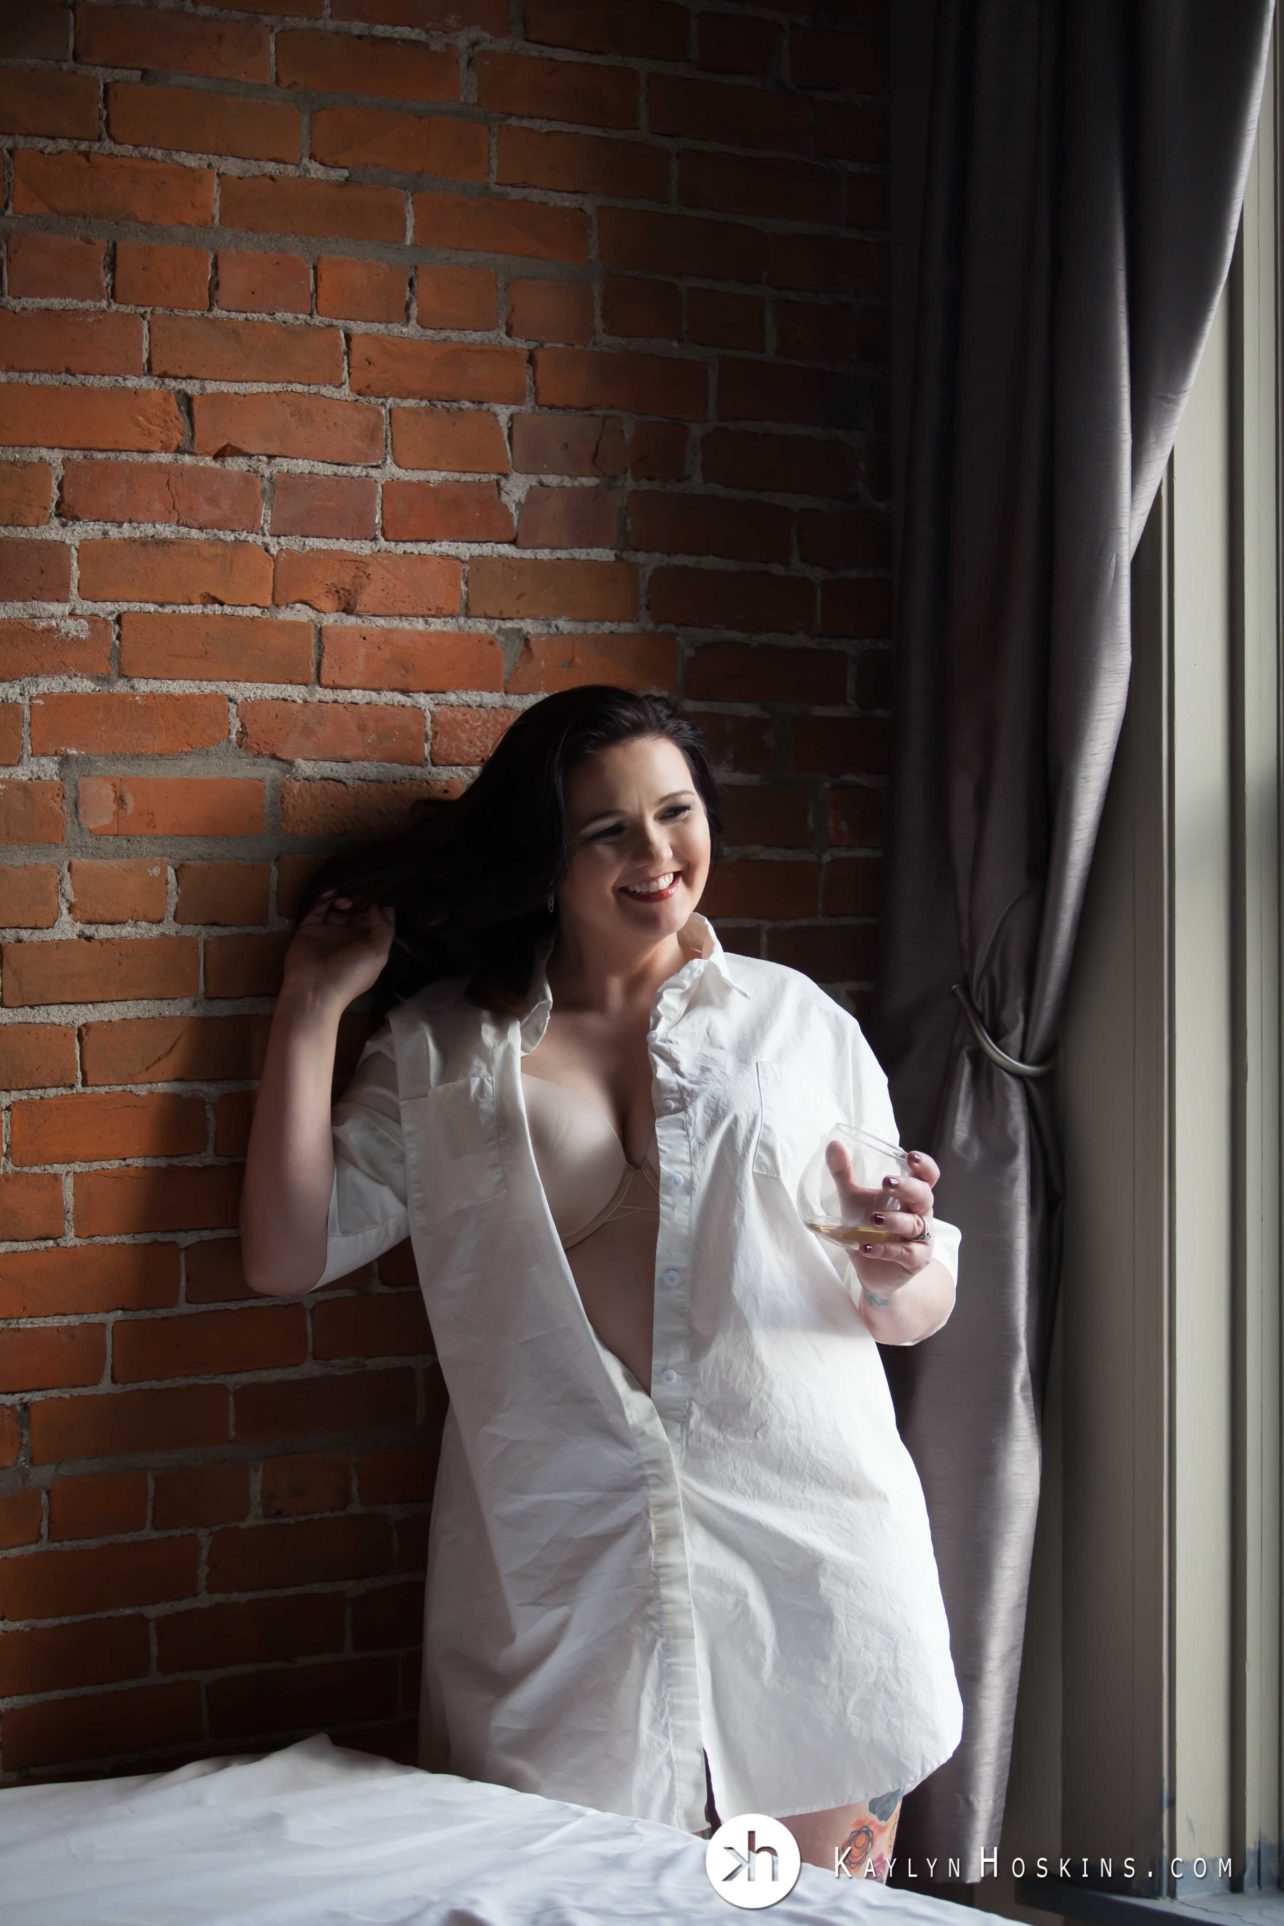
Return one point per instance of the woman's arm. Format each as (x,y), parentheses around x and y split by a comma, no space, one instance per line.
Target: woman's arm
(289,1165)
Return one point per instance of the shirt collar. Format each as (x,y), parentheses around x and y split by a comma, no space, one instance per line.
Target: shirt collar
(696,935)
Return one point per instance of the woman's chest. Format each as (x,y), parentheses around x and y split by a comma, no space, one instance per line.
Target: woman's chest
(603,1063)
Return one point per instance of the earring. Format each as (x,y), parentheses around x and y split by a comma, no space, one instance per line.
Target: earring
(550,902)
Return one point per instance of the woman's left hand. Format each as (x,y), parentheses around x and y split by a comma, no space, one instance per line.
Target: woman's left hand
(885,1267)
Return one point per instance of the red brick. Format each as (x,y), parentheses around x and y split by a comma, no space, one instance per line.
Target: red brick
(736,115)
(28,897)
(93,969)
(644,384)
(35,1056)
(102,1127)
(234,1113)
(831,264)
(394,1326)
(109,187)
(308,1482)
(10,1442)
(53,1732)
(338,505)
(401,143)
(61,106)
(121,1203)
(209,1343)
(852,130)
(151,274)
(215,648)
(596,164)
(811,330)
(753,600)
(105,1504)
(410,659)
(464,737)
(733,672)
(264,283)
(32,812)
(658,451)
(331,808)
(447,16)
(245,965)
(332,732)
(53,1359)
(772,813)
(133,891)
(689,524)
(10,732)
(198,1495)
(126,724)
(829,58)
(575,591)
(570,518)
(472,222)
(21,1518)
(144,419)
(775,890)
(717,318)
(858,606)
(361,290)
(287,204)
(171,806)
(869,201)
(757,390)
(736,43)
(212,349)
(187,494)
(445,512)
(640,308)
(343,63)
(172,43)
(64,267)
(851,888)
(72,645)
(33,570)
(60,1283)
(825,743)
(551,310)
(30,1207)
(779,464)
(646,29)
(697,245)
(548,662)
(369,584)
(56,341)
(222,893)
(455,297)
(845,538)
(188,1418)
(759,188)
(39,31)
(586,93)
(306,427)
(462,440)
(150,570)
(192,120)
(381,364)
(569,445)
(173,1049)
(26,493)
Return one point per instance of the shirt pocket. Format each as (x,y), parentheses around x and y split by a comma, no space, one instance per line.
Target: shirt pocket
(792,1118)
(451,1139)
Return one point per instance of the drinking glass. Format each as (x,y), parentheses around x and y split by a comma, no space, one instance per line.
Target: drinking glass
(821,1203)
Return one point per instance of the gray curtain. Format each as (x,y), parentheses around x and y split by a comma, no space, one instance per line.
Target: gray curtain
(1066,186)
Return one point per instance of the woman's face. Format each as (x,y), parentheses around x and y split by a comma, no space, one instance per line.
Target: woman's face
(634,816)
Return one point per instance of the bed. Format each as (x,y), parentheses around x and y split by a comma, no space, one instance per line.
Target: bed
(317,1833)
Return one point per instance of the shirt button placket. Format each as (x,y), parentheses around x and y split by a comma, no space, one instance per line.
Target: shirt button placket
(670,1328)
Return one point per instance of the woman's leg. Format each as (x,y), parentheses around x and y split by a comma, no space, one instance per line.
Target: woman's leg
(855,1840)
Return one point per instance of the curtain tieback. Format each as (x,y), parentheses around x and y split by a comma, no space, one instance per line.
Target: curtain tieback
(991,1048)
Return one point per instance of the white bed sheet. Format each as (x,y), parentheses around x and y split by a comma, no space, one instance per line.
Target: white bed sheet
(319,1833)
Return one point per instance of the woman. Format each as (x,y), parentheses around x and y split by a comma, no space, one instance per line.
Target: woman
(679,1560)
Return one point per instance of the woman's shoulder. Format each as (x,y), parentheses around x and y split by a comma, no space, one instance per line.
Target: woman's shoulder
(781,985)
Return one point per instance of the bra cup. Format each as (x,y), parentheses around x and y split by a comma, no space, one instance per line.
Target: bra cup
(585,1173)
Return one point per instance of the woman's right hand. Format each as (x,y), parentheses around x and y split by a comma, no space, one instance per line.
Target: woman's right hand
(337,952)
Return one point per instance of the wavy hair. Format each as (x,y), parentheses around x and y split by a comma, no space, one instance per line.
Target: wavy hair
(470,879)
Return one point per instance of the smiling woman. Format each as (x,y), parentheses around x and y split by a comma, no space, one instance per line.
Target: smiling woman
(674,1532)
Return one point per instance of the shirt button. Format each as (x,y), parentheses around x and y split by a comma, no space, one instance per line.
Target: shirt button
(674,1180)
(671,1103)
(668,1377)
(671,1277)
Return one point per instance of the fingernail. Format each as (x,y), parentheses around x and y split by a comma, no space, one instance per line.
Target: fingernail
(914,1157)
(877,1217)
(868,1249)
(890,1183)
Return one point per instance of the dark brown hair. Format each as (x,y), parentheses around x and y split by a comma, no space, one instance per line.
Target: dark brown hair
(470,879)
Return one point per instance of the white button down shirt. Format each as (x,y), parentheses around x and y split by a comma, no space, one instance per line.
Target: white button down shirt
(740,1561)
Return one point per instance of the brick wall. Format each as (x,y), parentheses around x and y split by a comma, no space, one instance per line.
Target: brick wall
(370,368)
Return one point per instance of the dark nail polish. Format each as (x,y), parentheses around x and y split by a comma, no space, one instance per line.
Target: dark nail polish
(877,1217)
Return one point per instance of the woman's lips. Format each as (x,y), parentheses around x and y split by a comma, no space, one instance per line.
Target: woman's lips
(652,895)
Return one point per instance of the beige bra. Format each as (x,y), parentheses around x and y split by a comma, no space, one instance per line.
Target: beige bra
(587,1177)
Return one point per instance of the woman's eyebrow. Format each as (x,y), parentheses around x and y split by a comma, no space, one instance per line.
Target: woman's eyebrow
(619,812)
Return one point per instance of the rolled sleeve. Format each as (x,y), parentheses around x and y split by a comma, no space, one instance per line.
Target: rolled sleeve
(368,1210)
(874,1108)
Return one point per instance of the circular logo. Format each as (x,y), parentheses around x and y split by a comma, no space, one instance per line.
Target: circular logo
(752,1861)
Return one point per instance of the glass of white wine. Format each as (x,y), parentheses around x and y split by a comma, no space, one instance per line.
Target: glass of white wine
(823,1204)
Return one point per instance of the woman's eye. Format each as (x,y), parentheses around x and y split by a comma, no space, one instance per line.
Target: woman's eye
(679,809)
